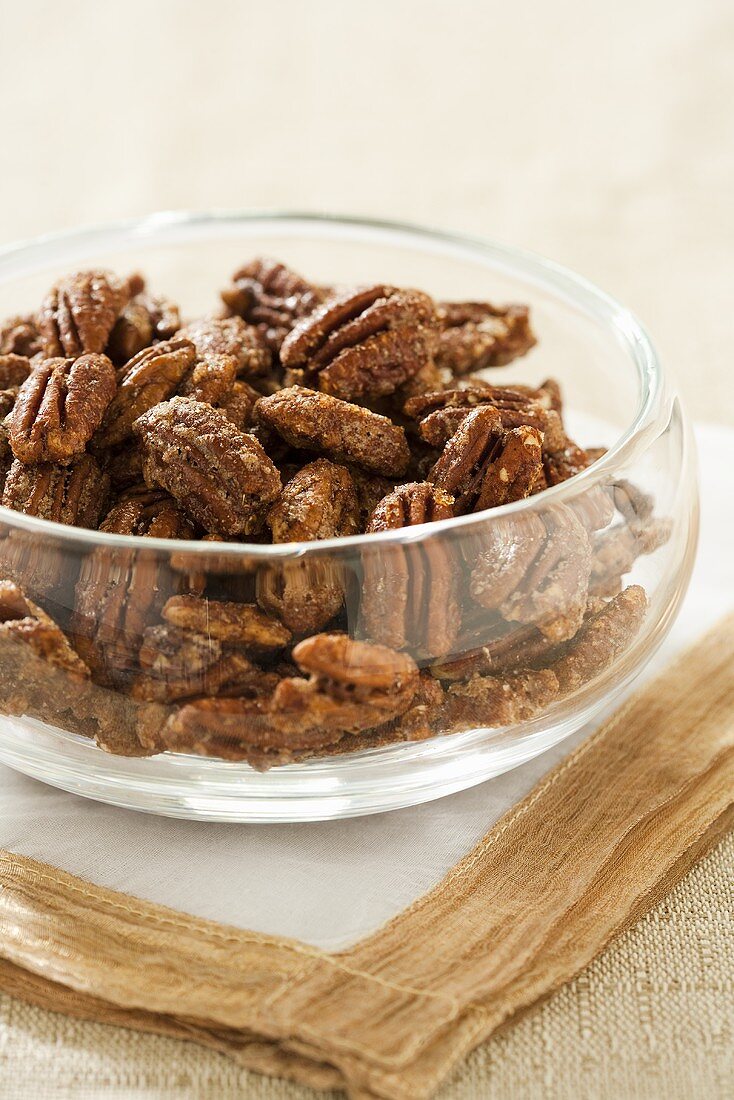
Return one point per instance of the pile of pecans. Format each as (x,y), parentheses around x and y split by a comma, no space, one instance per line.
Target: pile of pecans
(298,413)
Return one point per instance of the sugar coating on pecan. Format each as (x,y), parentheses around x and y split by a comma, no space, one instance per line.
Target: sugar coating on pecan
(79,312)
(60,406)
(475,335)
(180,664)
(272,297)
(230,336)
(74,494)
(150,513)
(362,344)
(150,377)
(219,475)
(344,431)
(483,465)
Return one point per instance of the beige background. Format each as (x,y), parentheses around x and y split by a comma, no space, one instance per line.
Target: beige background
(599,134)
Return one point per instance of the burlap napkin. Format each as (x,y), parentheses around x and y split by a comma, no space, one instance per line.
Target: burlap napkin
(598,842)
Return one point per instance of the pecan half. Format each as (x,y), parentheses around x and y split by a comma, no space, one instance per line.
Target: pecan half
(409,594)
(230,336)
(602,639)
(319,502)
(60,406)
(210,380)
(14,369)
(221,477)
(145,319)
(475,335)
(20,336)
(362,344)
(121,590)
(483,466)
(239,405)
(150,377)
(272,297)
(353,686)
(179,664)
(440,413)
(345,432)
(79,312)
(74,494)
(536,570)
(25,622)
(615,552)
(501,700)
(234,624)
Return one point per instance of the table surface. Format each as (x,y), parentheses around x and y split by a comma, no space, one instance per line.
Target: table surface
(600,135)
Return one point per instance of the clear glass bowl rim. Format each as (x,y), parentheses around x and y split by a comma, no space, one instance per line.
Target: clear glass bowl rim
(162,227)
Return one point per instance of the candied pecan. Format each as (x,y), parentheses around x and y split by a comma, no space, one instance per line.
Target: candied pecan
(602,638)
(565,462)
(149,378)
(150,512)
(370,489)
(521,646)
(440,413)
(499,700)
(535,570)
(632,502)
(409,595)
(180,664)
(615,552)
(230,336)
(362,344)
(509,546)
(125,467)
(210,380)
(346,432)
(120,590)
(483,465)
(237,624)
(221,477)
(475,335)
(239,405)
(79,312)
(145,319)
(319,502)
(272,297)
(14,369)
(25,622)
(20,336)
(553,595)
(73,494)
(594,507)
(60,406)
(352,687)
(225,728)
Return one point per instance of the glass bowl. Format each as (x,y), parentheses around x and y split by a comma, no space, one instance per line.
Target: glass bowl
(526,621)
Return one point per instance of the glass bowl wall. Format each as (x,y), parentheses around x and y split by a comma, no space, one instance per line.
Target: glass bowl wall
(423,590)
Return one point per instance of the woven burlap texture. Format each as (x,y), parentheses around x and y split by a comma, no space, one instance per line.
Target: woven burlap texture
(601,839)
